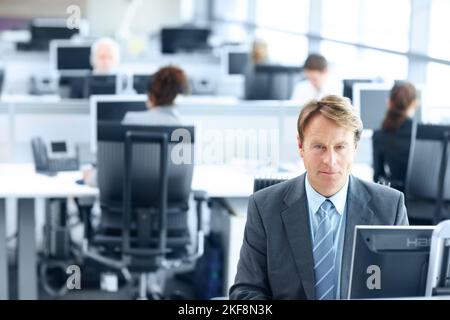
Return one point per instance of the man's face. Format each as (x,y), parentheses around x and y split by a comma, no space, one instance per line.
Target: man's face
(317,78)
(328,151)
(105,61)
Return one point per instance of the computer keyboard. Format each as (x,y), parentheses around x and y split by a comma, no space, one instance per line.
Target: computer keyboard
(70,164)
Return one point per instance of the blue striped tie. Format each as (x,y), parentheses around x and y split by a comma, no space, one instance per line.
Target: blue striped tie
(324,254)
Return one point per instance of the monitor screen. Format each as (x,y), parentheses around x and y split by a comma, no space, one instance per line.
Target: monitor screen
(58,146)
(44,30)
(141,83)
(100,84)
(389,261)
(271,82)
(184,39)
(115,110)
(112,109)
(73,57)
(370,101)
(237,62)
(47,32)
(348,86)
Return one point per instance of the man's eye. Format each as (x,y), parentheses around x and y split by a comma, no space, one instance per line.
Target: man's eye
(340,147)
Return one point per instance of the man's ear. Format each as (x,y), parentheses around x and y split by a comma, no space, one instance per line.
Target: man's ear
(300,146)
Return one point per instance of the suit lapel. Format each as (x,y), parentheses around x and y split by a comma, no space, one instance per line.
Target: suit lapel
(295,219)
(358,213)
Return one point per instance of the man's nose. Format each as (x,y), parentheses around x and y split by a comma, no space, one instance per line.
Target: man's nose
(330,157)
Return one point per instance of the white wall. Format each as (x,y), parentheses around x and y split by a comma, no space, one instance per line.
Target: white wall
(38,8)
(105,16)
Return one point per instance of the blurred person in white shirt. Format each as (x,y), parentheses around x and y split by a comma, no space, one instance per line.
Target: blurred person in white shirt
(318,82)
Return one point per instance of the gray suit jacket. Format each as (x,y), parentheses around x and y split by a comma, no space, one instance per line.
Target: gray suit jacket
(276,260)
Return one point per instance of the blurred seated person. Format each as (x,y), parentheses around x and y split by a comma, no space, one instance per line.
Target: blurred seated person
(318,82)
(392,142)
(253,85)
(167,83)
(104,58)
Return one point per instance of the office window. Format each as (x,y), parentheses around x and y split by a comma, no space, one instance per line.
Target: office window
(347,61)
(284,48)
(439,40)
(378,23)
(236,10)
(438,78)
(283,15)
(233,11)
(340,19)
(286,15)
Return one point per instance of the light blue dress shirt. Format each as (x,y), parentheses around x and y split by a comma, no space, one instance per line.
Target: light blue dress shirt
(338,219)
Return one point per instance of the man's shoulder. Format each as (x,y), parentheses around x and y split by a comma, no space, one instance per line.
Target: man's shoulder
(375,189)
(277,193)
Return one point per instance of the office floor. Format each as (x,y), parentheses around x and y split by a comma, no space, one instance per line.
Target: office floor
(177,287)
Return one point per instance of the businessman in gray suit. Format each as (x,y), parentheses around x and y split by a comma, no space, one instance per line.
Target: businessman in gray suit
(299,233)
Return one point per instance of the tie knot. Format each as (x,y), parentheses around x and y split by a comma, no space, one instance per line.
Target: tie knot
(325,208)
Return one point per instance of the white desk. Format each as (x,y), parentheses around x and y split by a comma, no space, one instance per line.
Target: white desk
(237,181)
(20,183)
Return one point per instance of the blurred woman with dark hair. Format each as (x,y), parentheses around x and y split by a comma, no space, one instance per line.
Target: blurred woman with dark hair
(163,89)
(392,142)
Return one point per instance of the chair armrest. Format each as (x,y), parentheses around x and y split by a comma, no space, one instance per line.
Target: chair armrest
(200,195)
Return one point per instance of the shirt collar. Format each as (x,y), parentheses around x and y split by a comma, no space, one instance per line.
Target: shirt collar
(315,199)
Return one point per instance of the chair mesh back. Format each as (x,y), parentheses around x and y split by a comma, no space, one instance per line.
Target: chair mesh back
(261,183)
(425,169)
(425,163)
(145,175)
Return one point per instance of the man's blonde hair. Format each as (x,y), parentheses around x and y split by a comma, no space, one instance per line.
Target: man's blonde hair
(335,108)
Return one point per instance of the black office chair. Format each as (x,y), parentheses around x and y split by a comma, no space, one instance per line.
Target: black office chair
(260,183)
(144,196)
(427,187)
(390,154)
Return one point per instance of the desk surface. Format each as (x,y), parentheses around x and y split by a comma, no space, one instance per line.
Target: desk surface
(237,181)
(20,180)
(229,181)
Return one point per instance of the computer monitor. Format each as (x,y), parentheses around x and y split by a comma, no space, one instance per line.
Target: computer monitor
(101,84)
(235,60)
(184,39)
(371,100)
(70,58)
(141,82)
(43,30)
(49,29)
(348,86)
(112,109)
(389,261)
(271,82)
